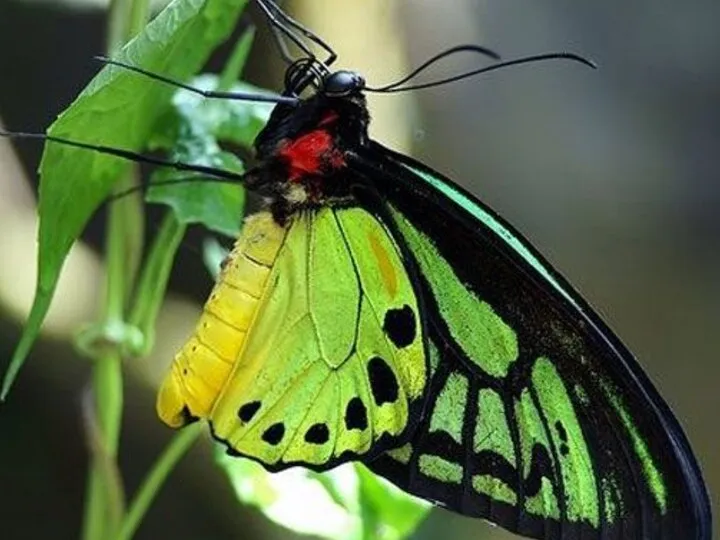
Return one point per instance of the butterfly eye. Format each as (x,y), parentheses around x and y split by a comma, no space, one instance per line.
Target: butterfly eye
(343,83)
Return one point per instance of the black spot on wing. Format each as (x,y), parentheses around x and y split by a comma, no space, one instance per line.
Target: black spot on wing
(562,433)
(356,414)
(541,464)
(247,411)
(274,434)
(400,326)
(383,384)
(317,434)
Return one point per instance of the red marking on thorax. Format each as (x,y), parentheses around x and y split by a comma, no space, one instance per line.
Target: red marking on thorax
(307,154)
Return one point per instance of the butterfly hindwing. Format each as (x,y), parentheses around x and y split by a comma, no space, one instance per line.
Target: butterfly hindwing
(325,361)
(537,417)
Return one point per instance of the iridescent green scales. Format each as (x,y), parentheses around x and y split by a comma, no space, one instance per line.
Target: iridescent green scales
(452,398)
(483,336)
(528,445)
(491,429)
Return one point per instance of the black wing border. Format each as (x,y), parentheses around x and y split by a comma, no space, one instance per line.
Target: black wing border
(390,170)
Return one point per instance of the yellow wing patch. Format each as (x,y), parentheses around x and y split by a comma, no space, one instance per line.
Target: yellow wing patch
(328,348)
(201,368)
(385,265)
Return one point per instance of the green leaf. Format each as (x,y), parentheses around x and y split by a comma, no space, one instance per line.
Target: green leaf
(153,282)
(389,513)
(295,498)
(227,119)
(118,108)
(191,131)
(217,206)
(238,59)
(346,503)
(214,253)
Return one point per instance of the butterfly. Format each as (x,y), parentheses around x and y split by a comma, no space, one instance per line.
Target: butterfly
(375,311)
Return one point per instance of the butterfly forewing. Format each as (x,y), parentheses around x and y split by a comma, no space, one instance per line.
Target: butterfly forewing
(537,418)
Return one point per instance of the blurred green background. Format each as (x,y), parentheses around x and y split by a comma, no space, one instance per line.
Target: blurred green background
(613,174)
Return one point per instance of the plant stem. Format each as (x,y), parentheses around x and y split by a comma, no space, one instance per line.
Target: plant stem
(104,499)
(153,280)
(139,16)
(180,444)
(232,70)
(107,384)
(126,18)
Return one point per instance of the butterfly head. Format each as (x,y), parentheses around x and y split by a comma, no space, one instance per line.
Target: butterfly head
(343,84)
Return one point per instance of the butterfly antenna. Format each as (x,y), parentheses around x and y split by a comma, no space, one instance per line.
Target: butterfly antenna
(129,155)
(240,96)
(440,56)
(518,61)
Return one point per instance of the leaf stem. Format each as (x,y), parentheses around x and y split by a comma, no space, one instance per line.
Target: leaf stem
(232,70)
(100,521)
(139,16)
(154,279)
(104,497)
(180,444)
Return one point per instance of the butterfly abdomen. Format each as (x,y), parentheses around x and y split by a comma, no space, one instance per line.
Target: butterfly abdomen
(201,368)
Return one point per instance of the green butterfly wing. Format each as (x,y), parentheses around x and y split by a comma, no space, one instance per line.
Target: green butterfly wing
(538,419)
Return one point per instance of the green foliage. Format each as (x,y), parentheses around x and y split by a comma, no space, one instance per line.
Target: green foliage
(190,132)
(346,503)
(387,511)
(153,283)
(213,255)
(117,108)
